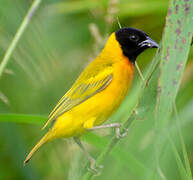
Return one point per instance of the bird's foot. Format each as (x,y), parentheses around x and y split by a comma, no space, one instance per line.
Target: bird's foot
(119,134)
(93,167)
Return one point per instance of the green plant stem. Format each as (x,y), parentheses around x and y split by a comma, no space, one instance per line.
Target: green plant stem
(18,35)
(109,148)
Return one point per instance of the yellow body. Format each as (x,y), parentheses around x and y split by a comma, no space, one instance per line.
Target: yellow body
(97,109)
(102,99)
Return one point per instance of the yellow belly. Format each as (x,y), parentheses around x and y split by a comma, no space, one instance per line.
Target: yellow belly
(97,108)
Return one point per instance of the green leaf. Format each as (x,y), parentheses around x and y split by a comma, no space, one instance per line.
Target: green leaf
(174,54)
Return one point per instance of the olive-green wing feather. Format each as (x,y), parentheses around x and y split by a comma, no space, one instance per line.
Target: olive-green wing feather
(85,87)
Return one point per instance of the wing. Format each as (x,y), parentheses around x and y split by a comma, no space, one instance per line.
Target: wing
(86,86)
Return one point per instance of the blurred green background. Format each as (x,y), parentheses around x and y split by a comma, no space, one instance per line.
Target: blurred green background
(55,48)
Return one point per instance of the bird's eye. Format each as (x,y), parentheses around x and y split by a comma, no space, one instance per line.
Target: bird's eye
(134,38)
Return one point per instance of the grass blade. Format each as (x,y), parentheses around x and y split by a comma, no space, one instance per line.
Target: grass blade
(174,54)
(176,45)
(18,35)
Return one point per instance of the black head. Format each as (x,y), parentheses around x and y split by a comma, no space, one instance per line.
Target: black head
(133,42)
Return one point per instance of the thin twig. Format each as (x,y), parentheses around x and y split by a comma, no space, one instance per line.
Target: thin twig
(18,35)
(118,22)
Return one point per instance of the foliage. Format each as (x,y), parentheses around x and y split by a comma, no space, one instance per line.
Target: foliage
(54,49)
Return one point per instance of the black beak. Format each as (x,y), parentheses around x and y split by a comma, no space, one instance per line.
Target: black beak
(150,43)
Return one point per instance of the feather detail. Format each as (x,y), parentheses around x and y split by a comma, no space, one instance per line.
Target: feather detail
(84,88)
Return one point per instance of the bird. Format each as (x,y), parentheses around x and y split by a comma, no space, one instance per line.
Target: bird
(98,91)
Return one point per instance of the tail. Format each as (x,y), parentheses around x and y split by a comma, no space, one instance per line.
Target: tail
(42,141)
